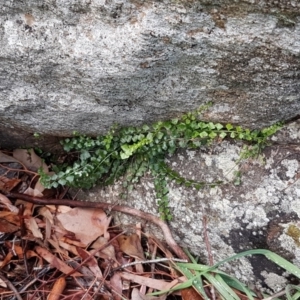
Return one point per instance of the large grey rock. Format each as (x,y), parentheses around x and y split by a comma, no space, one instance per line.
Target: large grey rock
(86,64)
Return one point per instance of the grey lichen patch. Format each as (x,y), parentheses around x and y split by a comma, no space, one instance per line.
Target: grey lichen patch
(275,282)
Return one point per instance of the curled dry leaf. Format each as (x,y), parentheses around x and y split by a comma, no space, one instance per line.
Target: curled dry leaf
(7,184)
(59,208)
(56,262)
(7,227)
(57,289)
(152,283)
(10,217)
(90,261)
(117,286)
(136,295)
(7,158)
(131,245)
(2,283)
(33,227)
(57,247)
(33,192)
(105,253)
(30,160)
(4,200)
(190,294)
(70,248)
(87,224)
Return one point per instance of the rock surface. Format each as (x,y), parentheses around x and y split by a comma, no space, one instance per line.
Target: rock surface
(84,65)
(261,209)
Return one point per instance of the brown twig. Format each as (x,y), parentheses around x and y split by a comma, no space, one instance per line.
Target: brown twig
(11,286)
(120,208)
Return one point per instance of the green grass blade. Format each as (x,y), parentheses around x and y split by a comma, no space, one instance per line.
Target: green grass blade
(181,286)
(194,266)
(280,261)
(225,291)
(236,284)
(291,288)
(191,257)
(196,280)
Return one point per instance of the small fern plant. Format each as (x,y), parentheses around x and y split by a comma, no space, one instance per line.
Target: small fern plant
(131,152)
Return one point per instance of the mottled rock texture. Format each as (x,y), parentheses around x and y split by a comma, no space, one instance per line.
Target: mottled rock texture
(86,64)
(262,210)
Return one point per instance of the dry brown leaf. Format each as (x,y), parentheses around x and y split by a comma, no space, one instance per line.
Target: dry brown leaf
(87,224)
(7,184)
(56,262)
(161,297)
(190,294)
(6,260)
(70,248)
(33,192)
(135,294)
(16,249)
(4,200)
(72,242)
(59,208)
(30,160)
(91,262)
(131,245)
(57,289)
(57,247)
(2,283)
(39,187)
(33,227)
(152,283)
(7,158)
(27,207)
(117,287)
(11,217)
(107,252)
(7,227)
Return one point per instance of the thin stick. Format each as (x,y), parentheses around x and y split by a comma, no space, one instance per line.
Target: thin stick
(120,208)
(11,286)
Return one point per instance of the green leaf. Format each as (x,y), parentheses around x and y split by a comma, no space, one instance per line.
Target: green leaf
(211,125)
(219,126)
(222,134)
(229,126)
(70,178)
(62,181)
(221,286)
(212,135)
(203,134)
(84,155)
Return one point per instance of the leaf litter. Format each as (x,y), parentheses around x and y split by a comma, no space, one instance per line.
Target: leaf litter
(51,251)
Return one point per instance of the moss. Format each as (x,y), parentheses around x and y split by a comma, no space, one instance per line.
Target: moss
(294,232)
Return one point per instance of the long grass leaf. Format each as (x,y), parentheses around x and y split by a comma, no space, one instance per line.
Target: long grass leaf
(236,284)
(289,288)
(197,280)
(221,287)
(280,261)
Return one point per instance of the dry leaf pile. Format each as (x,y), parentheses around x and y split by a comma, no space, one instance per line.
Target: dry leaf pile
(64,252)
